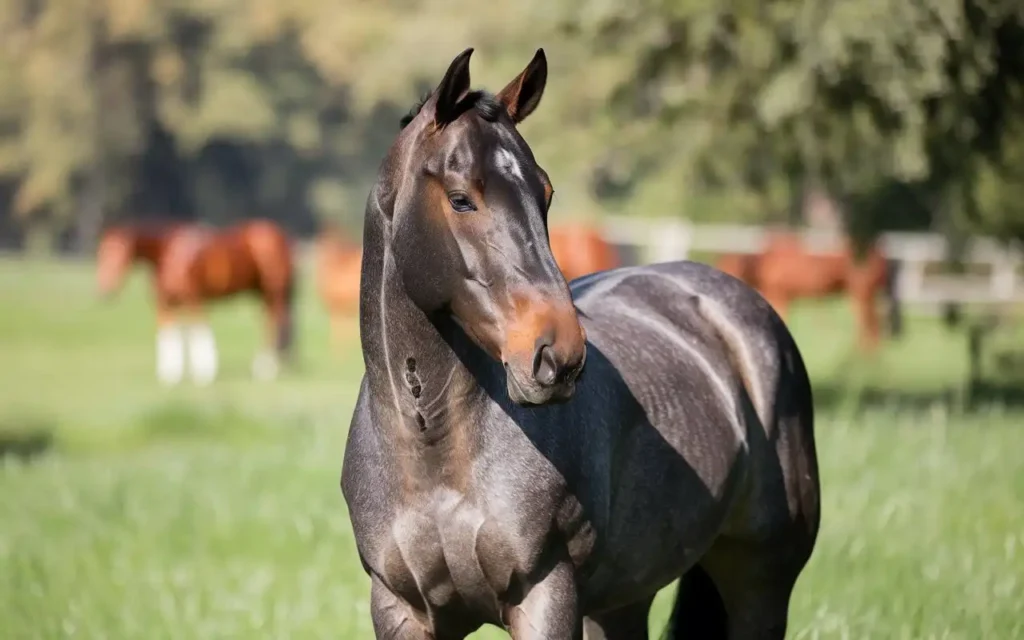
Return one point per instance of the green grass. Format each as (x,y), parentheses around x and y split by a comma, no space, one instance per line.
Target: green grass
(215,512)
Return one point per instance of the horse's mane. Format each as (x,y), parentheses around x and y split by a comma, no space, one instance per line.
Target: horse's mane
(485,103)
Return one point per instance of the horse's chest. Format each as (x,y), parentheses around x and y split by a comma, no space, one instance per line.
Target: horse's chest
(449,554)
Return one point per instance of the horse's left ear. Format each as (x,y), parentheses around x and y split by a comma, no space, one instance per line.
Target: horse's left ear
(453,87)
(523,94)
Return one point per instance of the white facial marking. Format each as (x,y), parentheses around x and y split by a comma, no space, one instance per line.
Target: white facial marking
(507,162)
(170,354)
(203,354)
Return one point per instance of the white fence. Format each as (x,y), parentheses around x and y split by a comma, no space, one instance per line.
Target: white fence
(995,276)
(994,271)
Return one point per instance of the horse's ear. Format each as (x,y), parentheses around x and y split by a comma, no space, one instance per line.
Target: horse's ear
(523,94)
(453,87)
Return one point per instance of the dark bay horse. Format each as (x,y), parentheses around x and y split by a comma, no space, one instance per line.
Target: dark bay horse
(580,250)
(785,270)
(338,265)
(547,459)
(192,264)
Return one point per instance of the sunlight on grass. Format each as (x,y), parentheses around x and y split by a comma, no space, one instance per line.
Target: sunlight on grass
(133,511)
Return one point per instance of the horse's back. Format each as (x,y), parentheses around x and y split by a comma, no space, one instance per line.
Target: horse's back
(204,262)
(721,380)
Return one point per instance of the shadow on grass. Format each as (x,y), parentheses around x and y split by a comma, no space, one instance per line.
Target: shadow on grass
(971,396)
(25,440)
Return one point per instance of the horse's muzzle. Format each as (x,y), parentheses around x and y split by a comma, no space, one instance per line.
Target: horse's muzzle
(550,382)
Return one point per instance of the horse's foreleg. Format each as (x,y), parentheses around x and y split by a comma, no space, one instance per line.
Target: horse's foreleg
(393,618)
(202,350)
(267,363)
(550,609)
(867,318)
(170,348)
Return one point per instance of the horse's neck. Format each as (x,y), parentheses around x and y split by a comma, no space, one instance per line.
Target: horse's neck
(419,383)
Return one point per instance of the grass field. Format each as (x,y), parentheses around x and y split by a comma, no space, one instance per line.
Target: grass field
(215,513)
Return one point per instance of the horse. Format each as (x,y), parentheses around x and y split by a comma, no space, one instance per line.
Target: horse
(338,263)
(546,458)
(580,250)
(192,264)
(784,271)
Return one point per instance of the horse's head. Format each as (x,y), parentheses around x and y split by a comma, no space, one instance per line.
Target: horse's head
(469,230)
(114,258)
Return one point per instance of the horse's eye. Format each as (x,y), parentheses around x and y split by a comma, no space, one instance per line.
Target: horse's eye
(460,202)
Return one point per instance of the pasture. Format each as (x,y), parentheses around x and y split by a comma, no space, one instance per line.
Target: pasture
(132,511)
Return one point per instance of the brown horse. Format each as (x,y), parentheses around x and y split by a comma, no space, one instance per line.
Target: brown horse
(547,457)
(580,249)
(338,263)
(192,264)
(785,271)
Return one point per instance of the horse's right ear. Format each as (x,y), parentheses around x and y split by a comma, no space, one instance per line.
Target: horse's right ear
(523,94)
(453,87)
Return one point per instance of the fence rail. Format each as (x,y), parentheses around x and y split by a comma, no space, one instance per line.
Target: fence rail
(916,253)
(1001,280)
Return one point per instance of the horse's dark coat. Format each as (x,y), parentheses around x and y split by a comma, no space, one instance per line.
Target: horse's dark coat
(686,444)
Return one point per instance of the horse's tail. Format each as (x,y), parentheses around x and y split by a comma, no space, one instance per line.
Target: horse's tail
(892,295)
(698,611)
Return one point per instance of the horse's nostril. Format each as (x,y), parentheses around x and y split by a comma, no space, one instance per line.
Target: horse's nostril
(545,366)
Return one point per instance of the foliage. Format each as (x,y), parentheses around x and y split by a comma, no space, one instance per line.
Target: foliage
(764,96)
(235,108)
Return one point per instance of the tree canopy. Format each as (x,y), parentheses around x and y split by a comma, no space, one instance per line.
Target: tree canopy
(220,109)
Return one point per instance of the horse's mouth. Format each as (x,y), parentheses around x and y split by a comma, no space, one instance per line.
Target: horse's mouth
(534,395)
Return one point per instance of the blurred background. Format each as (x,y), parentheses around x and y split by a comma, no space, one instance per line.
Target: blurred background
(670,128)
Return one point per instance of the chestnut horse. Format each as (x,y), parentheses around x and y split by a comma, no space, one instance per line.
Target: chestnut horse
(192,264)
(338,263)
(580,250)
(784,271)
(547,457)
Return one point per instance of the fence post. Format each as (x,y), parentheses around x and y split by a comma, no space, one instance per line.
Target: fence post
(672,242)
(1004,279)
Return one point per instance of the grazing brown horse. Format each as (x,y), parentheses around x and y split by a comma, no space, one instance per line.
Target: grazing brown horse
(547,458)
(580,249)
(785,271)
(338,263)
(192,264)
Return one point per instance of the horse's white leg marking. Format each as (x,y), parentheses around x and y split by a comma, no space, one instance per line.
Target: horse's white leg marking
(265,365)
(506,161)
(170,354)
(203,354)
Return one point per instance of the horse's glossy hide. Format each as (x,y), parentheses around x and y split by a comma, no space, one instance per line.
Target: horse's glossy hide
(690,432)
(666,429)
